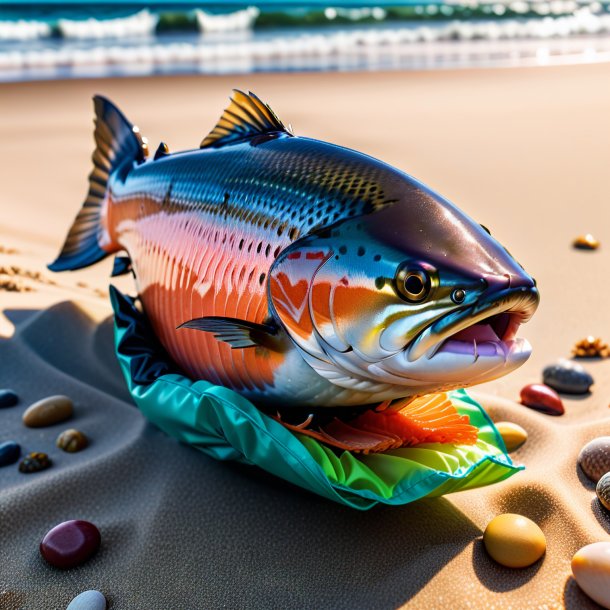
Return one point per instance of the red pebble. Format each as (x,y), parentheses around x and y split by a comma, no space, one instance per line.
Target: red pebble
(542,398)
(70,543)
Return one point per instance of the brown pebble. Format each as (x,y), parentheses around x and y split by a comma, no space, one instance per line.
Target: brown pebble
(71,440)
(586,242)
(48,411)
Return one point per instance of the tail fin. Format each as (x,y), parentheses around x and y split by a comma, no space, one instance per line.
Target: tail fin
(117,141)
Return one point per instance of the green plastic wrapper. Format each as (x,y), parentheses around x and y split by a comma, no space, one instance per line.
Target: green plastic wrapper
(226,426)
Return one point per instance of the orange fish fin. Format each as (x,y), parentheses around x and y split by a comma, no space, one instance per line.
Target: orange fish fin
(246,117)
(428,419)
(240,334)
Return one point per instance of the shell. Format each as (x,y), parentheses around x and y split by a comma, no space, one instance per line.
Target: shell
(568,377)
(72,440)
(591,570)
(591,347)
(542,398)
(514,541)
(586,242)
(594,458)
(48,411)
(512,434)
(603,491)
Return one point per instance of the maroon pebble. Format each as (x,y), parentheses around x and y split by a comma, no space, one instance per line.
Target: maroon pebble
(542,398)
(70,543)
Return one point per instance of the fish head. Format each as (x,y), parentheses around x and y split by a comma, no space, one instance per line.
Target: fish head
(411,299)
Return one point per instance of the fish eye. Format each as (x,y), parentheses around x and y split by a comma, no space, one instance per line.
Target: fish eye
(414,285)
(458,295)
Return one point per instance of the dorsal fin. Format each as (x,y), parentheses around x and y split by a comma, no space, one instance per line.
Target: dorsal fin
(245,117)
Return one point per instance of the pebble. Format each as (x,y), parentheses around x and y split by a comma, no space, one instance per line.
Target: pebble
(8,398)
(88,600)
(513,435)
(569,377)
(591,570)
(34,462)
(594,458)
(603,490)
(542,398)
(9,453)
(586,242)
(48,411)
(71,440)
(70,543)
(514,541)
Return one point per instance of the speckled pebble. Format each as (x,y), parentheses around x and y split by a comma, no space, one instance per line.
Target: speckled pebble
(70,543)
(594,458)
(8,398)
(48,411)
(513,435)
(71,440)
(591,569)
(34,462)
(88,600)
(603,491)
(542,398)
(9,453)
(514,541)
(568,377)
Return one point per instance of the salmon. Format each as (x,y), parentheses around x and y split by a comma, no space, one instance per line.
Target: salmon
(299,273)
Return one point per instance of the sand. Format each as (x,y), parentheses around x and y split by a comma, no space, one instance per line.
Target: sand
(525,152)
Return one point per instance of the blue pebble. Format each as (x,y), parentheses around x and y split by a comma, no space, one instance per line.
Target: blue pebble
(88,600)
(9,453)
(567,377)
(8,398)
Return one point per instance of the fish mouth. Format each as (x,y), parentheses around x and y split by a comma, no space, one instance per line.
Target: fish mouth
(487,329)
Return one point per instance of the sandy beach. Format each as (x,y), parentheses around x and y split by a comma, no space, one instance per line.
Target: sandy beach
(524,151)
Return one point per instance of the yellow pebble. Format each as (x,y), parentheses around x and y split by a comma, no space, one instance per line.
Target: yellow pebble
(513,435)
(514,541)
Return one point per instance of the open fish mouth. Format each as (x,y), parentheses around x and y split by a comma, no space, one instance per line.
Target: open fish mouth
(487,329)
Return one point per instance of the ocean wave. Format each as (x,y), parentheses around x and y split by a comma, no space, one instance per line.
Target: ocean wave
(280,52)
(228,22)
(24,30)
(143,23)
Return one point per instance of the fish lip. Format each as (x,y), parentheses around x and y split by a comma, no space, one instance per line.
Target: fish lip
(522,302)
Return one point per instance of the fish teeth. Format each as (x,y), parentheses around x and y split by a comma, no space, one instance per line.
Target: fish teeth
(476,355)
(432,351)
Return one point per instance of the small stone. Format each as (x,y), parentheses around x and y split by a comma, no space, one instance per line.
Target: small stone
(48,411)
(34,462)
(71,440)
(88,600)
(603,491)
(542,398)
(594,458)
(513,435)
(586,242)
(514,541)
(591,570)
(70,543)
(9,453)
(8,398)
(568,377)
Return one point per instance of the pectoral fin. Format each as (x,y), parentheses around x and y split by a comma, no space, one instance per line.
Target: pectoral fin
(240,334)
(122,265)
